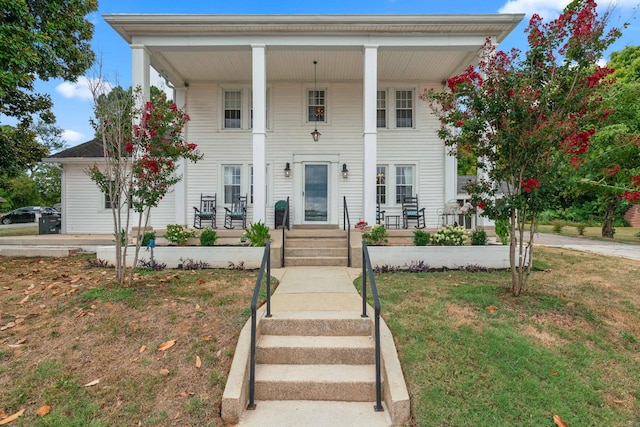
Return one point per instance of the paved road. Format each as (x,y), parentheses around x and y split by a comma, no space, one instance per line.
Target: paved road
(623,250)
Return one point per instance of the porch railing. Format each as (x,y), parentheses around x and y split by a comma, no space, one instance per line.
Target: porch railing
(367,274)
(285,223)
(265,265)
(346,223)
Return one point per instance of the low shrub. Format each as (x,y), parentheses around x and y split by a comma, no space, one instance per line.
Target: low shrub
(421,238)
(580,227)
(208,237)
(450,235)
(557,225)
(148,237)
(257,234)
(377,236)
(478,237)
(177,234)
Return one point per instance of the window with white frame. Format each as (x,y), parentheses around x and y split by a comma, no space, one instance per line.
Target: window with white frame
(108,202)
(381,184)
(404,108)
(316,106)
(233,109)
(232,182)
(381,109)
(404,182)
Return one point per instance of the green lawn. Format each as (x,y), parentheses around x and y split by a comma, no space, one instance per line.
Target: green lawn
(26,230)
(622,234)
(473,355)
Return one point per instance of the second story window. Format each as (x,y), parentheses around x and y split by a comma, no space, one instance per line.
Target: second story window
(233,109)
(316,106)
(381,109)
(404,108)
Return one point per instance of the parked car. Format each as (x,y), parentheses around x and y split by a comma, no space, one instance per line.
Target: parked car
(27,214)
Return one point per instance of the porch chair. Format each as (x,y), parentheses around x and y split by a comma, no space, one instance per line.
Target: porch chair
(206,213)
(238,212)
(411,211)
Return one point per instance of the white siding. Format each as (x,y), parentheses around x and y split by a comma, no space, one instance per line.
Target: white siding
(288,140)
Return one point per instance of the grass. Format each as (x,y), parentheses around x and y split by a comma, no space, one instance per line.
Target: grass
(622,234)
(473,355)
(27,230)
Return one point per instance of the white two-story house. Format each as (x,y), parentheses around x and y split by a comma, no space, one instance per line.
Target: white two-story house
(257,86)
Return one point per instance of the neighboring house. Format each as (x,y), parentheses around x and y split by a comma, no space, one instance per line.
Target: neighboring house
(256,86)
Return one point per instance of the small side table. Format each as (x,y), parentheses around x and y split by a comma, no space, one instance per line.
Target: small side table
(390,220)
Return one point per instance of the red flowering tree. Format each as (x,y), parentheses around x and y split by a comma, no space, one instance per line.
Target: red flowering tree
(142,148)
(527,118)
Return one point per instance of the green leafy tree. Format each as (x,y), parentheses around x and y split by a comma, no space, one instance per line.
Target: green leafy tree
(48,180)
(41,39)
(23,191)
(20,150)
(609,172)
(528,117)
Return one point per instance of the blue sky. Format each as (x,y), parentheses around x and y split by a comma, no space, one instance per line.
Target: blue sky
(72,104)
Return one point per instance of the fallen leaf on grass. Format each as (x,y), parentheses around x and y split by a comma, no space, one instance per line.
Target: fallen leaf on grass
(43,410)
(25,299)
(206,338)
(166,345)
(198,362)
(142,349)
(200,281)
(559,421)
(491,308)
(92,383)
(554,372)
(74,279)
(618,401)
(12,417)
(186,393)
(8,325)
(164,371)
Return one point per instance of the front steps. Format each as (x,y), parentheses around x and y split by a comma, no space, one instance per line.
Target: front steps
(315,357)
(316,247)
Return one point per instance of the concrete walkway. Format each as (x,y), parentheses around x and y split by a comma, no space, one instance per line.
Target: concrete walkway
(623,250)
(309,290)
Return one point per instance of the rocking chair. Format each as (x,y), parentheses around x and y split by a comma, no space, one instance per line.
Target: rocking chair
(411,211)
(238,212)
(206,213)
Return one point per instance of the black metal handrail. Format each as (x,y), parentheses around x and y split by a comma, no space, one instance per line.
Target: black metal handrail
(285,223)
(264,265)
(346,223)
(367,272)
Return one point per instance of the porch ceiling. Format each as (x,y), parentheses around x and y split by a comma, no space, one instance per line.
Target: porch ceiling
(190,48)
(296,65)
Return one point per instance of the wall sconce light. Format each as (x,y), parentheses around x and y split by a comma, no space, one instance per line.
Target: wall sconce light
(345,171)
(287,170)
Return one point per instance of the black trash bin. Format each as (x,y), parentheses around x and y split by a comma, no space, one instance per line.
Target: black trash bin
(49,224)
(280,209)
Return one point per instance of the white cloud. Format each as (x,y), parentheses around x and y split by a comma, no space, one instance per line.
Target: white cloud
(73,137)
(82,88)
(550,9)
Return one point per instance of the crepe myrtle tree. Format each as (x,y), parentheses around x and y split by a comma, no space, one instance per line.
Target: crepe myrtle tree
(142,148)
(528,117)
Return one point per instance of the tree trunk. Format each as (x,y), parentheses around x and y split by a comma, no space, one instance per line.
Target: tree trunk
(607,223)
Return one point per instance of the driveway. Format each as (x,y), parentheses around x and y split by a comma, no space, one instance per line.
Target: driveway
(623,250)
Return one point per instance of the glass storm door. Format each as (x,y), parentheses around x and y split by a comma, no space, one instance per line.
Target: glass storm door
(316,192)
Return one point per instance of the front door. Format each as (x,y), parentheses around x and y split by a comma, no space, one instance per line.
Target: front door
(316,193)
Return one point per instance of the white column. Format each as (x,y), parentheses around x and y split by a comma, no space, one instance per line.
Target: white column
(181,208)
(140,70)
(370,88)
(259,76)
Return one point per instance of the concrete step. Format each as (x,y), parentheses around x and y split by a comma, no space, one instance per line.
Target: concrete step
(347,383)
(307,242)
(296,261)
(315,233)
(297,413)
(316,252)
(39,251)
(317,323)
(292,350)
